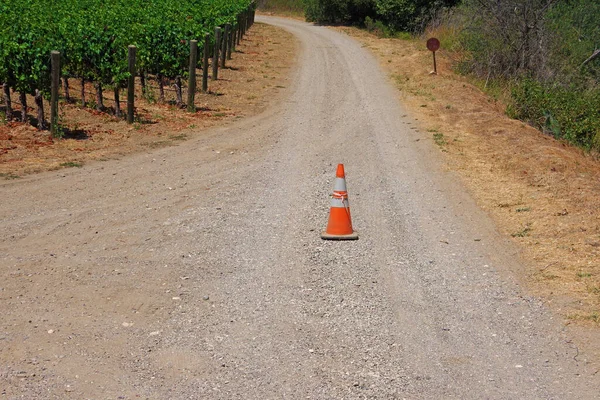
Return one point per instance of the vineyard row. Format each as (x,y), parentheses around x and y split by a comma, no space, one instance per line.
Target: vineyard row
(29,71)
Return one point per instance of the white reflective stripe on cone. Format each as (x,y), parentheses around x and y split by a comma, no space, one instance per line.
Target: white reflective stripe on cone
(339,203)
(340,185)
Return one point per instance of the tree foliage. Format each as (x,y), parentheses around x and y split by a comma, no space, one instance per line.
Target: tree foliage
(575,36)
(410,15)
(396,15)
(507,38)
(540,46)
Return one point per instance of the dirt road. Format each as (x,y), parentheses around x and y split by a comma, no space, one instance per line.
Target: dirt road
(197,271)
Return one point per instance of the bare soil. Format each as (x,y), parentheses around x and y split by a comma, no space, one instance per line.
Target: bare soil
(541,192)
(257,72)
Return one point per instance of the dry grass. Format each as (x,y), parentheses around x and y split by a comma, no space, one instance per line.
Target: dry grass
(542,193)
(257,72)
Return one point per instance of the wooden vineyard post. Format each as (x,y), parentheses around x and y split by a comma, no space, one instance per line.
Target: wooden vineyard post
(225,44)
(244,23)
(205,64)
(55,67)
(241,34)
(192,75)
(216,48)
(230,28)
(234,37)
(247,17)
(131,84)
(239,30)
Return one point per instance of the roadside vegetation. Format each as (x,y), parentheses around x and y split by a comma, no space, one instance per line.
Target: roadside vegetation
(542,53)
(282,7)
(542,57)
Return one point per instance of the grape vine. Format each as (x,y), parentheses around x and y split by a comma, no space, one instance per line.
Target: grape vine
(92,37)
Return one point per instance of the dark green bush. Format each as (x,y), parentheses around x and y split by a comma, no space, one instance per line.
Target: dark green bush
(576,35)
(541,46)
(339,11)
(565,112)
(378,28)
(286,6)
(410,15)
(396,15)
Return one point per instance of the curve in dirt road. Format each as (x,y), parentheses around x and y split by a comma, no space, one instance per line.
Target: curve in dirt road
(198,271)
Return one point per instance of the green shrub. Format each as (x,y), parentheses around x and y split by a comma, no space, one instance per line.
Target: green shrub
(410,15)
(395,15)
(565,112)
(576,34)
(378,28)
(339,11)
(541,47)
(289,6)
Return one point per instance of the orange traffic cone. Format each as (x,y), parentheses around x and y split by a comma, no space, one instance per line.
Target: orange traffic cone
(340,222)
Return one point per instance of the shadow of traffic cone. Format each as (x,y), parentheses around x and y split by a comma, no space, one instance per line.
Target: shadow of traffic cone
(340,222)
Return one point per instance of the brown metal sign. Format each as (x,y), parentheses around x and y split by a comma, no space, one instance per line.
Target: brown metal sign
(433,44)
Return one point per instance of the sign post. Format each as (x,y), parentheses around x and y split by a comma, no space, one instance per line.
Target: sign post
(433,45)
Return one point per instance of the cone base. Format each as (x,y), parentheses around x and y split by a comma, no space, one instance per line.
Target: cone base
(329,236)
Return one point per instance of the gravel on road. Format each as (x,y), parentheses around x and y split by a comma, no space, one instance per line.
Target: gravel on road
(198,272)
